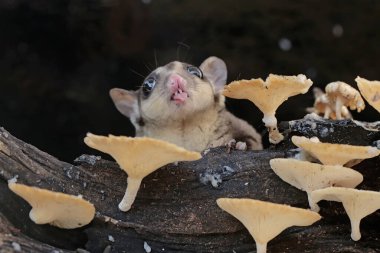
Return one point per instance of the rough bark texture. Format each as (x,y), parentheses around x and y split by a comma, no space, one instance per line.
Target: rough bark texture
(175,209)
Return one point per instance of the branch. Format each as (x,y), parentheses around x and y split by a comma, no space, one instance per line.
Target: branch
(176,209)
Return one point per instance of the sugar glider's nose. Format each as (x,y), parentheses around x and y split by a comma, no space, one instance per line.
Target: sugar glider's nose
(176,82)
(177,87)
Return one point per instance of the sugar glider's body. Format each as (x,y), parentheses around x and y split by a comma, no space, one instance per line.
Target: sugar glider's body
(183,104)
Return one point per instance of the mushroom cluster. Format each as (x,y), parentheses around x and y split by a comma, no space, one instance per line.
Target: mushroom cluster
(322,106)
(136,156)
(316,179)
(330,180)
(335,102)
(308,176)
(268,95)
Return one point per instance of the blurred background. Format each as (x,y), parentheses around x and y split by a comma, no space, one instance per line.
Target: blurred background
(58,59)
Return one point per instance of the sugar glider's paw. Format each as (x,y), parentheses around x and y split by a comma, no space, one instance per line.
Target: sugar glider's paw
(232,144)
(241,145)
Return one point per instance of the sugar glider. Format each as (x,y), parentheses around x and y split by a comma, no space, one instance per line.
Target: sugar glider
(182,104)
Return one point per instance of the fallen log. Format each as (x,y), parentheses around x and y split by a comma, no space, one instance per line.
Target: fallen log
(175,209)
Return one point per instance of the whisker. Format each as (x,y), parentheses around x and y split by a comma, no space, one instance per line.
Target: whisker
(178,59)
(150,65)
(137,73)
(191,58)
(155,58)
(147,67)
(182,44)
(187,53)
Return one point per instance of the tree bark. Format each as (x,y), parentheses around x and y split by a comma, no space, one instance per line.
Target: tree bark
(175,209)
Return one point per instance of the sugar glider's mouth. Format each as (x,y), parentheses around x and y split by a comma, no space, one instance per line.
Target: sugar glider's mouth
(179,95)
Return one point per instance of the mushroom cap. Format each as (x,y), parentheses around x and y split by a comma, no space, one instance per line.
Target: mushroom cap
(265,220)
(370,91)
(348,95)
(334,154)
(140,156)
(357,203)
(366,202)
(268,95)
(58,209)
(308,176)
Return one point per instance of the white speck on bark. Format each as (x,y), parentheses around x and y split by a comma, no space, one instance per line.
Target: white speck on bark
(16,246)
(13,180)
(147,248)
(110,238)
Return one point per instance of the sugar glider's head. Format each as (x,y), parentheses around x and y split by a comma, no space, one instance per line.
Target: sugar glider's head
(173,92)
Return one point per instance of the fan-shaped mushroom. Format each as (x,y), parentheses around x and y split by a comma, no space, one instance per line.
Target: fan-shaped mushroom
(308,176)
(138,157)
(268,96)
(265,220)
(58,209)
(334,154)
(357,203)
(341,94)
(370,91)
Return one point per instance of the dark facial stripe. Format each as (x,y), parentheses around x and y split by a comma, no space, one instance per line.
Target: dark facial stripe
(140,121)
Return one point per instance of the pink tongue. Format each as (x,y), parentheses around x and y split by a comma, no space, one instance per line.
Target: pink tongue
(179,97)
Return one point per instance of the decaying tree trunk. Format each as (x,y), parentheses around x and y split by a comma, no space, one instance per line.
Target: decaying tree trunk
(175,209)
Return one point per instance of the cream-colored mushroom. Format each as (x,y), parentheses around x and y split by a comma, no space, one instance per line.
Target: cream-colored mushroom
(334,154)
(265,220)
(138,157)
(370,91)
(357,203)
(323,106)
(268,96)
(308,176)
(58,209)
(341,94)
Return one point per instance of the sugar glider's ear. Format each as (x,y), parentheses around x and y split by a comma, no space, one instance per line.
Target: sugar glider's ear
(125,101)
(215,70)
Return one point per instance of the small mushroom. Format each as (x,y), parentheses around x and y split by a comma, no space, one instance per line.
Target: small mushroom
(370,91)
(323,106)
(268,96)
(265,220)
(58,209)
(138,157)
(334,154)
(308,176)
(341,94)
(357,203)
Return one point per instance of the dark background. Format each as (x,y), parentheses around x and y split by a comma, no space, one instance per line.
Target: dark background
(58,59)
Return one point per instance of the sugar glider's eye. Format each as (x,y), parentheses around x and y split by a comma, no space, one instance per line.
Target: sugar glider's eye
(195,71)
(148,85)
